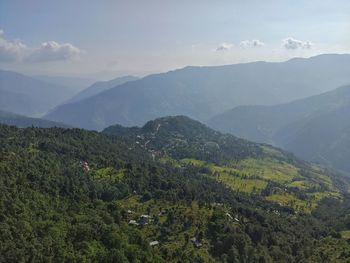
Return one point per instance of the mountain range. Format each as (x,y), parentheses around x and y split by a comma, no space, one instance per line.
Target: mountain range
(75,83)
(99,87)
(21,121)
(203,92)
(25,95)
(316,128)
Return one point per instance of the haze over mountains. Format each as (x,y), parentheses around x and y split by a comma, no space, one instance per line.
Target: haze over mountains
(203,92)
(316,128)
(21,121)
(100,86)
(76,83)
(28,96)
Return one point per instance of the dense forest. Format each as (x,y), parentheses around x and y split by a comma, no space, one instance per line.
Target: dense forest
(172,191)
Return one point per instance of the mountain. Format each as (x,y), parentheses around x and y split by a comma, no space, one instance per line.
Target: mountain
(28,96)
(23,121)
(246,166)
(181,137)
(158,194)
(203,92)
(315,128)
(101,86)
(75,83)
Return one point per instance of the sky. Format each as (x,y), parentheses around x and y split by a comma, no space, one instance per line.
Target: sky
(105,39)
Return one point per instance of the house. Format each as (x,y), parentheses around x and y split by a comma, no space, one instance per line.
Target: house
(144,220)
(154,243)
(229,216)
(133,222)
(86,167)
(196,242)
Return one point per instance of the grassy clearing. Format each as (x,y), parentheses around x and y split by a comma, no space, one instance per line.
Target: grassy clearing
(109,173)
(267,169)
(302,184)
(243,185)
(345,234)
(287,199)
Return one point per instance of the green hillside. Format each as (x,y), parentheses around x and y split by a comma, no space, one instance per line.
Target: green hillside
(242,165)
(69,195)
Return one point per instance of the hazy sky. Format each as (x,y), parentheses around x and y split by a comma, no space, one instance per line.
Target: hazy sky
(109,38)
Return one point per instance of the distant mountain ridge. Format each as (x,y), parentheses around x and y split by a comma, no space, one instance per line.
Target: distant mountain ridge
(203,92)
(316,128)
(28,96)
(76,83)
(21,121)
(100,86)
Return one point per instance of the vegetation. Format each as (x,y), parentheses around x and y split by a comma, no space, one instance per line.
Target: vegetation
(69,195)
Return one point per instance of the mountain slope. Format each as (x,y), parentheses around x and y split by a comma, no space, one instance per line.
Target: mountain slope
(25,95)
(74,195)
(314,128)
(76,83)
(100,86)
(202,92)
(242,165)
(21,121)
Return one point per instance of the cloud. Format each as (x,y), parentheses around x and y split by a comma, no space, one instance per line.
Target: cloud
(11,50)
(251,43)
(224,47)
(291,43)
(17,51)
(53,51)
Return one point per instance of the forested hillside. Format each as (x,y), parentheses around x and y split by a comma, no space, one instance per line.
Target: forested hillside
(80,196)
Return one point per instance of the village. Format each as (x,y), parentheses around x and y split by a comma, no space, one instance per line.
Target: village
(136,219)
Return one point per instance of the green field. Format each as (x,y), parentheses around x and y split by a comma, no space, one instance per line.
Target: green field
(252,176)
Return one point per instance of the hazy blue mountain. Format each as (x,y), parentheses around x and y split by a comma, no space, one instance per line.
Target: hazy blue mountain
(24,122)
(203,92)
(28,96)
(323,137)
(101,86)
(316,128)
(76,83)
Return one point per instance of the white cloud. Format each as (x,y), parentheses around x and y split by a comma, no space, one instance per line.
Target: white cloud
(11,50)
(291,43)
(224,47)
(53,51)
(251,43)
(17,51)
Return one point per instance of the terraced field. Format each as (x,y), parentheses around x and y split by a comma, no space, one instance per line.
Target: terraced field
(277,181)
